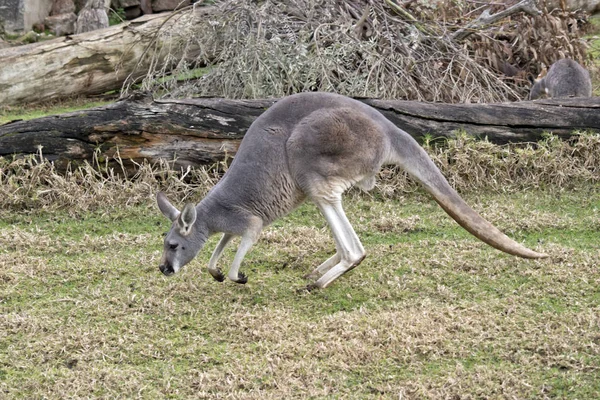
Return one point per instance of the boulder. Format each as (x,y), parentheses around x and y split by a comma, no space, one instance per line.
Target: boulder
(133,12)
(169,5)
(116,4)
(18,16)
(61,25)
(92,17)
(62,7)
(146,6)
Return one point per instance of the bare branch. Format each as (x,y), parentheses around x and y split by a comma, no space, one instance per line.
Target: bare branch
(526,6)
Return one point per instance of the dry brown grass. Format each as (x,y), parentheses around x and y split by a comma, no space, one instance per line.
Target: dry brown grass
(364,49)
(469,165)
(430,313)
(528,43)
(33,182)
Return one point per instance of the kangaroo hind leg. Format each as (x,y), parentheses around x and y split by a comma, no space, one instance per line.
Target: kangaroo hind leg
(326,266)
(349,250)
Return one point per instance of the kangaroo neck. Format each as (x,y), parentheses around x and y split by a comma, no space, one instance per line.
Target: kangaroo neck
(220,215)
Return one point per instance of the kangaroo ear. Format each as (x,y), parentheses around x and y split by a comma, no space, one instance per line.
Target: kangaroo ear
(166,207)
(186,219)
(542,73)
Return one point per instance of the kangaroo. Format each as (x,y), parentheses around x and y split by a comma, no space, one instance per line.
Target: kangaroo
(310,146)
(565,78)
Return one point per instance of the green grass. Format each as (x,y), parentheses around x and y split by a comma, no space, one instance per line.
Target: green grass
(8,114)
(430,313)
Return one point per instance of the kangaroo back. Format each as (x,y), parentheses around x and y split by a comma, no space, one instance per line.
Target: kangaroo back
(565,78)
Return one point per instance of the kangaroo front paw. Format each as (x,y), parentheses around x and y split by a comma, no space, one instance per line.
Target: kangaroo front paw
(217,275)
(311,286)
(241,278)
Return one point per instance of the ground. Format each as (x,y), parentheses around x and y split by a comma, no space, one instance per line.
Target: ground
(430,313)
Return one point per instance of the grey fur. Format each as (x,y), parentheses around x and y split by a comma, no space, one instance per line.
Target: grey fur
(565,78)
(311,145)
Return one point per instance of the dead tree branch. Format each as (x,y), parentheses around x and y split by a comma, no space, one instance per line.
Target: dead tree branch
(204,131)
(485,19)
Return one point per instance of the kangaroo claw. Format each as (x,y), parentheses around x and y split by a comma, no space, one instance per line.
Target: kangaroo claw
(218,275)
(311,286)
(242,278)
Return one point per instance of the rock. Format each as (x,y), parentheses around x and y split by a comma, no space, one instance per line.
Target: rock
(146,6)
(133,12)
(116,4)
(60,25)
(93,16)
(168,5)
(62,7)
(12,15)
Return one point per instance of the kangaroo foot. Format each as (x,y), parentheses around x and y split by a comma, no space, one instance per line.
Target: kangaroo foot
(311,286)
(217,275)
(241,278)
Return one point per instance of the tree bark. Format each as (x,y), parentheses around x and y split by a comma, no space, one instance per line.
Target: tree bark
(84,64)
(203,131)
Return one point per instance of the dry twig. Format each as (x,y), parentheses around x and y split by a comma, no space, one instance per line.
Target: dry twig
(485,19)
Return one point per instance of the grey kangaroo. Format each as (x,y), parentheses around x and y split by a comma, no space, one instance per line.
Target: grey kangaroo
(315,146)
(565,78)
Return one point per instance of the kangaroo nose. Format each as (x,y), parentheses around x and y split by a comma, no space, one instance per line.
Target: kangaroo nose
(166,269)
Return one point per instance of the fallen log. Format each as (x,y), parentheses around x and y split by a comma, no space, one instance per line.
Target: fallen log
(203,131)
(88,63)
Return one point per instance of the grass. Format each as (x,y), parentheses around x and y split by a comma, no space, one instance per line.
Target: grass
(13,113)
(430,313)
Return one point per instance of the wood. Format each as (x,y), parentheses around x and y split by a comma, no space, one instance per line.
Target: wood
(84,64)
(486,19)
(203,131)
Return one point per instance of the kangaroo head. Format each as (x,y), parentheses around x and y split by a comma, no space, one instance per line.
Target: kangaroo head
(184,240)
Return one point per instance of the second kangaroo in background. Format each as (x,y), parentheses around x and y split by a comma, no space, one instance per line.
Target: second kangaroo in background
(565,78)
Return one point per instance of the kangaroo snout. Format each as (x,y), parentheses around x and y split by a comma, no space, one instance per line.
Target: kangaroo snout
(166,269)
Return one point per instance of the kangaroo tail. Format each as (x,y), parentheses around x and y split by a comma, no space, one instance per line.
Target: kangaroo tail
(412,158)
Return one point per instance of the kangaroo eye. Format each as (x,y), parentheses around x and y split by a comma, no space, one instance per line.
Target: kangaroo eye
(173,246)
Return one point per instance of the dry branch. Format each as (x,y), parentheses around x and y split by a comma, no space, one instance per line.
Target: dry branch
(203,131)
(275,48)
(485,19)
